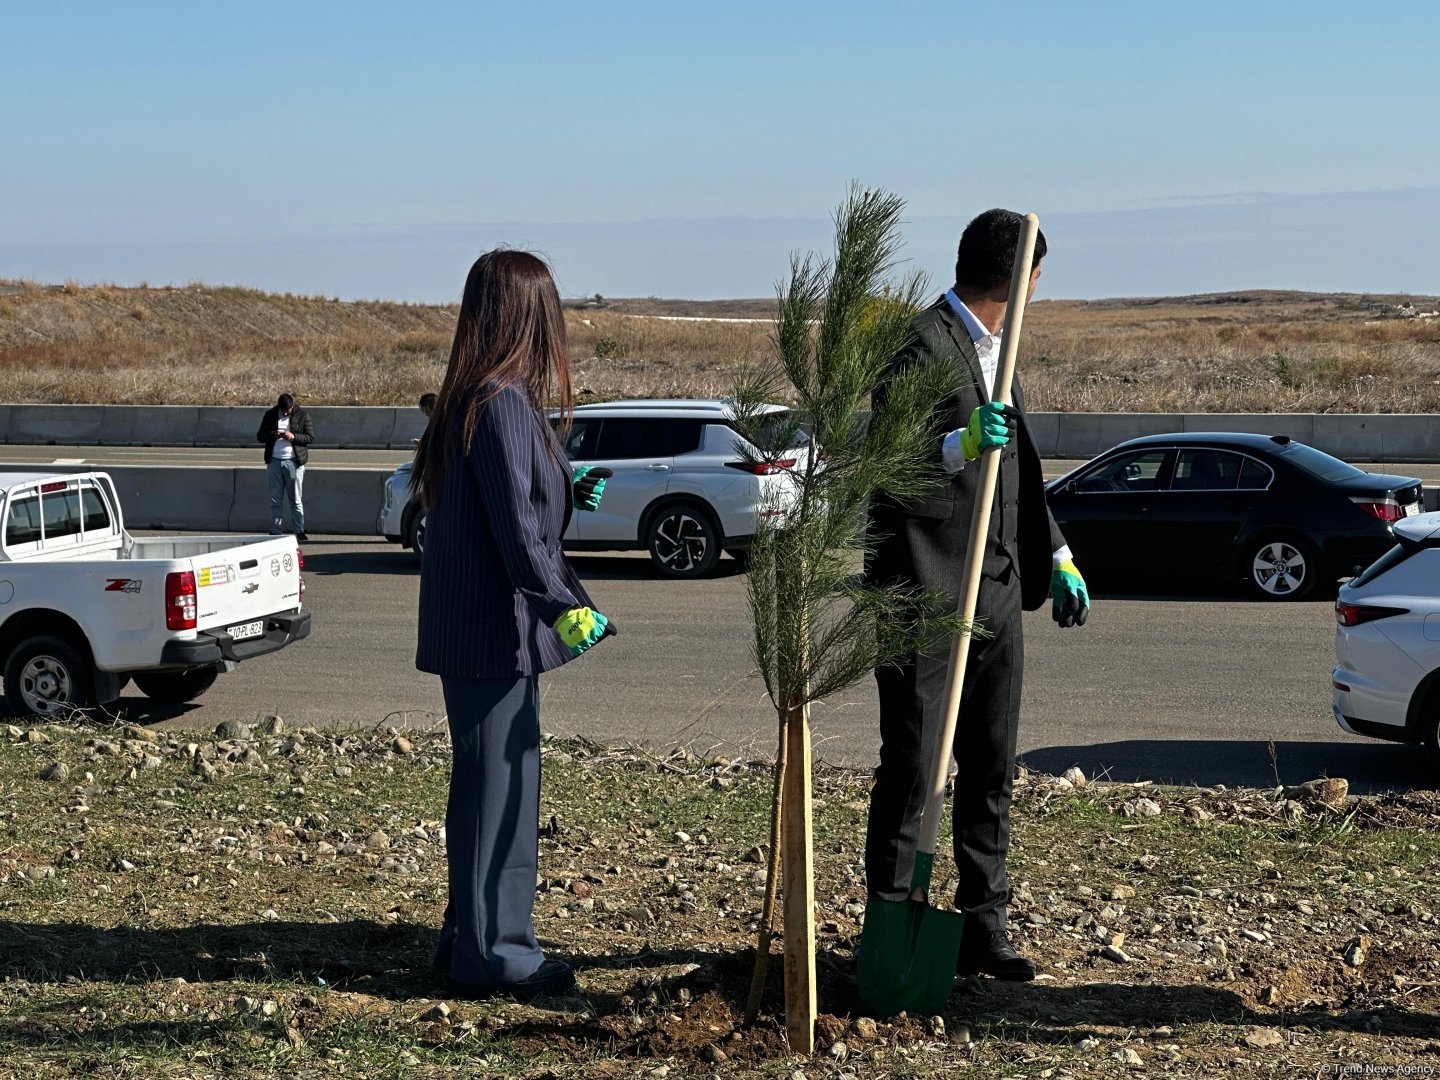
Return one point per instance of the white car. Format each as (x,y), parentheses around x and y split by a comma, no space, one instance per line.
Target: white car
(1387,682)
(681,488)
(85,607)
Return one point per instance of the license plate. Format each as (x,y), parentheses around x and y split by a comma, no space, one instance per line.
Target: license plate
(1411,509)
(246,630)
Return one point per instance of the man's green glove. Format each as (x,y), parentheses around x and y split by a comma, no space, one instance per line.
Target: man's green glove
(580,628)
(588,484)
(1069,599)
(990,425)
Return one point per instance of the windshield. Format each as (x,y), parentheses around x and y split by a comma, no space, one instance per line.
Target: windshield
(1317,463)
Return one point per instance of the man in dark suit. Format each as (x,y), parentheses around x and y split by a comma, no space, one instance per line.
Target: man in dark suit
(922,542)
(287,433)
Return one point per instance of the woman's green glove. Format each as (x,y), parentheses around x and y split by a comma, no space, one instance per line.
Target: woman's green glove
(1069,599)
(588,484)
(580,628)
(990,425)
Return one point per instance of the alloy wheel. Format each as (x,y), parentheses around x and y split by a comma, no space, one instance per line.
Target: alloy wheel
(681,542)
(1279,569)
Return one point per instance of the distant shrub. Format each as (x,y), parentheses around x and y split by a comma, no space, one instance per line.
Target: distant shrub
(608,348)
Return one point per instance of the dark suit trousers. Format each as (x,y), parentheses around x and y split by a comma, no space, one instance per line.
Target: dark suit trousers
(912,701)
(492,826)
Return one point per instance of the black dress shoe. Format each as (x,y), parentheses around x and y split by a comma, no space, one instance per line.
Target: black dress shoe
(992,954)
(551,979)
(302,538)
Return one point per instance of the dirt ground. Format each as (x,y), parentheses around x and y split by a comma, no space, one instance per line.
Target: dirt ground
(264,901)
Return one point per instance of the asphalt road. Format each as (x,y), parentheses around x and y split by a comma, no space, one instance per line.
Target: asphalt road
(1185,690)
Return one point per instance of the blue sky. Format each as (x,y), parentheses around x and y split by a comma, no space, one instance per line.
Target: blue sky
(681,149)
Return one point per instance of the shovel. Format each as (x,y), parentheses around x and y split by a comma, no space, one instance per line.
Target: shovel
(908,949)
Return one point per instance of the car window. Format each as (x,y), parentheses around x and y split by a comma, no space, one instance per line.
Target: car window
(643,437)
(23,524)
(579,441)
(60,512)
(1316,462)
(1139,471)
(96,516)
(1254,476)
(1206,470)
(779,427)
(1391,559)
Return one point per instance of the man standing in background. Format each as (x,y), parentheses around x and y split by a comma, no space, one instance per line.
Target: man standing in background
(287,434)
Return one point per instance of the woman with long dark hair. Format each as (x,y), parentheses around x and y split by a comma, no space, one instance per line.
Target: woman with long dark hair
(499,604)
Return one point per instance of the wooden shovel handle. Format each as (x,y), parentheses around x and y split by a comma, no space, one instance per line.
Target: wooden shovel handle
(975,552)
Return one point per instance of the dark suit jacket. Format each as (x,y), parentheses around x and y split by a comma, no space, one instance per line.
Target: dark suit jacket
(923,540)
(493,580)
(300,426)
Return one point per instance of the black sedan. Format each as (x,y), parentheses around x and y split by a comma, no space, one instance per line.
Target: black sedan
(1277,514)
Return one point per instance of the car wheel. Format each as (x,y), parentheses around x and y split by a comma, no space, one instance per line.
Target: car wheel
(47,676)
(1280,568)
(175,687)
(683,541)
(415,537)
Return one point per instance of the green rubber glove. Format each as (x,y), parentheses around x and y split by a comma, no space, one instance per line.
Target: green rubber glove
(1069,598)
(580,628)
(587,485)
(991,425)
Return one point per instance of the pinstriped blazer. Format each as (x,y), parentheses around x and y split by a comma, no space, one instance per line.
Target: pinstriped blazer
(493,580)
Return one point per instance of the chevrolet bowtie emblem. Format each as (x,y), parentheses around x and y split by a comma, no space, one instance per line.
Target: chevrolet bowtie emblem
(252,587)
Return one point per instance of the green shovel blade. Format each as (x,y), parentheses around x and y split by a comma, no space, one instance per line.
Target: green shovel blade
(907,956)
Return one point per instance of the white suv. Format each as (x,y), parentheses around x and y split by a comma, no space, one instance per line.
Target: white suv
(1387,682)
(681,489)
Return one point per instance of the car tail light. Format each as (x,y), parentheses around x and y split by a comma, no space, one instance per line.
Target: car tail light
(1355,614)
(180,601)
(762,468)
(1384,509)
(300,558)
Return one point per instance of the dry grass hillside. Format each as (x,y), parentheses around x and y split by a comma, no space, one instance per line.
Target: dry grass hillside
(1244,352)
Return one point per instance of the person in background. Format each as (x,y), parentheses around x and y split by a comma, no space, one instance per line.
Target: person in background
(287,433)
(499,604)
(427,409)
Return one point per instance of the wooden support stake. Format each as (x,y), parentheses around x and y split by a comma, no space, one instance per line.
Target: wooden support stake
(799,871)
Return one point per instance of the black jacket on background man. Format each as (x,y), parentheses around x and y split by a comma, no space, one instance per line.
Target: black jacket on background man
(300,427)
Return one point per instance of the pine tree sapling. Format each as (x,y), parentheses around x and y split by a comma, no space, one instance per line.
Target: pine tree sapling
(819,626)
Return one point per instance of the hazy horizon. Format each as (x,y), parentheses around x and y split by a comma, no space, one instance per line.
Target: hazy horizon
(362,151)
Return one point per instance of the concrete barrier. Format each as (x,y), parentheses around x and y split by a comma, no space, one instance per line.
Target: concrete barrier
(1354,437)
(49,425)
(1083,435)
(220,498)
(336,426)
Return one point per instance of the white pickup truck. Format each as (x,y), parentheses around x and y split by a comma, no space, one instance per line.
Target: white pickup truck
(85,607)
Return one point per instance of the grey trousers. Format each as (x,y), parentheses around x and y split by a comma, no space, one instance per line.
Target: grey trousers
(912,704)
(492,830)
(286,480)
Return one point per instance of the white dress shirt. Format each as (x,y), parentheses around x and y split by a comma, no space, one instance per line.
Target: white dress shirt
(987,351)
